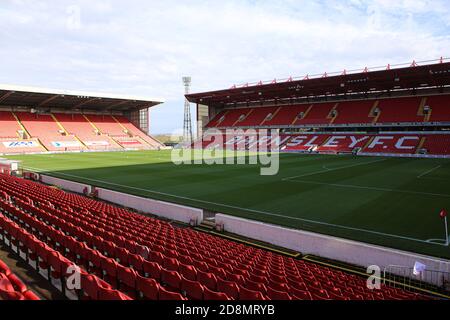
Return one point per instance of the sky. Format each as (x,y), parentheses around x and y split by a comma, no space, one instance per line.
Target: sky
(144,47)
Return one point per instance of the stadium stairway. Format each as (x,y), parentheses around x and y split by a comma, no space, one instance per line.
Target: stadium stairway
(137,133)
(101,133)
(78,126)
(21,126)
(125,255)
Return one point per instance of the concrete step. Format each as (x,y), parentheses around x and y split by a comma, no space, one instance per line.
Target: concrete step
(208,224)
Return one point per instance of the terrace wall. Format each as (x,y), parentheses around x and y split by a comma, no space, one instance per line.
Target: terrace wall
(353,252)
(159,208)
(65,184)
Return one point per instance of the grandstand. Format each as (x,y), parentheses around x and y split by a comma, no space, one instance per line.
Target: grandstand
(41,120)
(405,104)
(137,227)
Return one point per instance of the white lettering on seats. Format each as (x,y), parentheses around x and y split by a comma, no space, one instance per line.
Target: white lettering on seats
(298,140)
(400,143)
(378,141)
(310,142)
(334,141)
(355,141)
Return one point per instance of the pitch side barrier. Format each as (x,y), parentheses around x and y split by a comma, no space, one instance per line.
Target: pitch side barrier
(396,155)
(368,154)
(342,126)
(78,151)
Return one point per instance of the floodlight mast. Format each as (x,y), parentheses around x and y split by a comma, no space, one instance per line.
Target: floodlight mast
(187,129)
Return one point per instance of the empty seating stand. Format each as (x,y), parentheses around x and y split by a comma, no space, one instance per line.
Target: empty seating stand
(45,128)
(392,111)
(79,126)
(147,140)
(258,116)
(439,108)
(124,255)
(10,140)
(437,144)
(232,117)
(400,110)
(107,124)
(317,114)
(351,113)
(9,126)
(287,115)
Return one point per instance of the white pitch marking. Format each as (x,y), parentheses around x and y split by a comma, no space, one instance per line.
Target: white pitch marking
(328,170)
(428,172)
(372,188)
(435,240)
(248,210)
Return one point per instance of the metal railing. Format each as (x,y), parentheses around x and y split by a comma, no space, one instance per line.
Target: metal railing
(405,278)
(414,63)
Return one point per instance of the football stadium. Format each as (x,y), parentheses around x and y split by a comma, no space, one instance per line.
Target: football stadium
(364,166)
(333,186)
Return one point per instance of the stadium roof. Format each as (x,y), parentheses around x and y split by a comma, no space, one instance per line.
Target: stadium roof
(380,79)
(40,98)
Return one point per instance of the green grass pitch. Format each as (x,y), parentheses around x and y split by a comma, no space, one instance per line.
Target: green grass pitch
(386,201)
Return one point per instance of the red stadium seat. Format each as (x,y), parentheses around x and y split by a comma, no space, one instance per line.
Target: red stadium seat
(210,295)
(89,286)
(171,264)
(239,279)
(122,255)
(7,291)
(127,278)
(246,294)
(152,269)
(255,286)
(148,287)
(29,295)
(301,295)
(137,262)
(228,287)
(209,280)
(171,278)
(277,295)
(110,265)
(192,289)
(111,294)
(4,268)
(189,272)
(167,295)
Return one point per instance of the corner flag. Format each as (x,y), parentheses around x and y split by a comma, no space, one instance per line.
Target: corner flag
(443,215)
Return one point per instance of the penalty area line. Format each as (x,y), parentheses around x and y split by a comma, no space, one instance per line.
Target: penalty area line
(428,172)
(351,186)
(329,170)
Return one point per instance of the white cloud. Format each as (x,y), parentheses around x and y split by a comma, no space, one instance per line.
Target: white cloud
(144,47)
